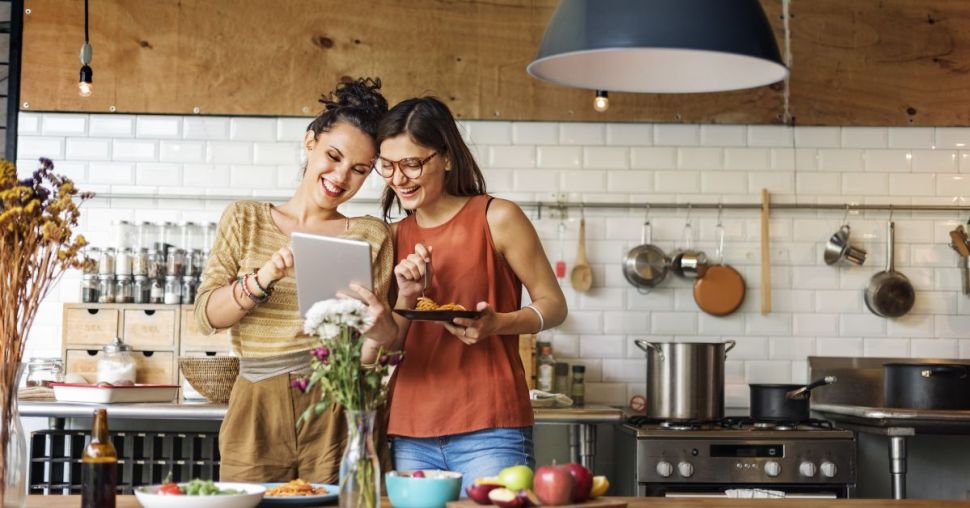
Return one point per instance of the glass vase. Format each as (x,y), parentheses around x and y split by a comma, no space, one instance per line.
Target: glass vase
(360,468)
(15,481)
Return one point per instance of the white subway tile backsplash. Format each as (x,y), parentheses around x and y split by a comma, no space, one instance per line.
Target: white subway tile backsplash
(837,301)
(935,161)
(254,177)
(205,176)
(229,152)
(111,126)
(515,157)
(807,325)
(626,322)
(946,185)
(934,348)
(819,183)
(776,182)
(134,150)
(952,137)
(635,181)
(588,322)
(865,184)
(676,135)
(886,347)
(653,158)
(674,323)
(862,325)
(911,137)
(276,153)
(28,123)
(582,133)
(564,346)
(840,160)
(775,323)
(32,147)
(731,325)
(98,149)
(841,346)
(888,161)
(490,133)
(559,157)
(769,135)
(818,137)
(724,135)
(814,277)
(724,182)
(113,173)
(64,125)
(770,371)
(914,184)
(751,159)
(629,134)
(910,325)
(791,348)
(290,130)
(677,182)
(150,173)
(613,394)
(865,137)
(535,133)
(603,346)
(158,126)
(606,157)
(700,158)
(749,348)
(623,370)
(206,128)
(583,181)
(181,151)
(955,327)
(252,129)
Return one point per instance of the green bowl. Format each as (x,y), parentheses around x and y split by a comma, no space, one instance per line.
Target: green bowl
(432,491)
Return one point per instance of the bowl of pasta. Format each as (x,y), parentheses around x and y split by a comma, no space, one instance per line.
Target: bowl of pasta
(298,493)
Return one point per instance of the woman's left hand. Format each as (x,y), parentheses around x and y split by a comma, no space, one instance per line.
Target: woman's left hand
(381,327)
(471,331)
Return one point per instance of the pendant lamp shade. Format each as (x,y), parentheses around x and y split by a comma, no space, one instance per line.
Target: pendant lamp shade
(659,46)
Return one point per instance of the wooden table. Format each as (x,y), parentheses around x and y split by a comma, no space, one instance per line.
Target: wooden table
(632,502)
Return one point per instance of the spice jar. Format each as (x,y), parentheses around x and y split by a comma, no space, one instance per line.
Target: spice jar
(142,289)
(124,289)
(123,262)
(44,371)
(156,293)
(578,390)
(89,288)
(189,286)
(146,235)
(92,256)
(116,365)
(139,262)
(175,264)
(155,268)
(106,288)
(173,290)
(106,263)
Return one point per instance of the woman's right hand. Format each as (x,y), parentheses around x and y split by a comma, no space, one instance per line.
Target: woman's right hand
(409,273)
(280,265)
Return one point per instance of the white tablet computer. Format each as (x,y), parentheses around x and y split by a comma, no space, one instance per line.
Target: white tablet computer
(325,265)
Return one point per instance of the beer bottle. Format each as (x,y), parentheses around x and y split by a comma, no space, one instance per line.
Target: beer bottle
(99,466)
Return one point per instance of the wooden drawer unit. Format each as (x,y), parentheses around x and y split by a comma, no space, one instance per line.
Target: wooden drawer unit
(90,324)
(150,327)
(191,338)
(153,367)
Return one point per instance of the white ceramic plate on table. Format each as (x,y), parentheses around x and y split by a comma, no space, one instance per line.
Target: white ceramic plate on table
(333,492)
(252,496)
(94,394)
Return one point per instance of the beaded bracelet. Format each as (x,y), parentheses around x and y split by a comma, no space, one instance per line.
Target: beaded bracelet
(232,291)
(268,290)
(249,292)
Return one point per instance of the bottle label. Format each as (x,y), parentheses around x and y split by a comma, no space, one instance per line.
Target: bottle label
(545,378)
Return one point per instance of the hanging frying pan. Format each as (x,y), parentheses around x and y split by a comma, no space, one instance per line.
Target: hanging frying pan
(721,290)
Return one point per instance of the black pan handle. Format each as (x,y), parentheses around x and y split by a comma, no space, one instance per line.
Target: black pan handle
(958,371)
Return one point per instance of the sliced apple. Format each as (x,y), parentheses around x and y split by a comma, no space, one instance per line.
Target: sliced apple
(505,498)
(600,486)
(479,492)
(529,498)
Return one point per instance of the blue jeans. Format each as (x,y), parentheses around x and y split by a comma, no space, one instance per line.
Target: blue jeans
(475,454)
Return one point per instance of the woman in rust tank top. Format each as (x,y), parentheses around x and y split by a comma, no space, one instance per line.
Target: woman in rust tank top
(460,401)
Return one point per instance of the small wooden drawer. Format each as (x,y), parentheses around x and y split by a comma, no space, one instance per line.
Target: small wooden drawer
(92,325)
(192,338)
(152,367)
(150,329)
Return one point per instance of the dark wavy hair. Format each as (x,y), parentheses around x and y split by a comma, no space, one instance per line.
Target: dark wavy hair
(356,102)
(429,123)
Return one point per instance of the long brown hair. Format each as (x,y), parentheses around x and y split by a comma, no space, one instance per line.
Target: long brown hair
(429,123)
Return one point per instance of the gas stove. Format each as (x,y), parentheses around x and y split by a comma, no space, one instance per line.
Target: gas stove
(804,459)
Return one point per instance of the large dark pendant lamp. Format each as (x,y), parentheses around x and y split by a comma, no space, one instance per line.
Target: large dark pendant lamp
(659,46)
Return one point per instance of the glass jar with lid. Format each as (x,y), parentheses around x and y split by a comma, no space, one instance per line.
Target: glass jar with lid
(124,235)
(155,267)
(106,288)
(170,232)
(106,262)
(123,262)
(146,235)
(92,256)
(175,264)
(116,365)
(139,262)
(160,231)
(156,293)
(173,290)
(89,288)
(142,289)
(124,289)
(44,371)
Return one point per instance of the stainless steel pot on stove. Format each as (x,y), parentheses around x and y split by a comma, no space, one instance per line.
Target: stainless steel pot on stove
(685,380)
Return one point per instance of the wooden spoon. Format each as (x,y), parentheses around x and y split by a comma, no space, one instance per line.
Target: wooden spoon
(581,277)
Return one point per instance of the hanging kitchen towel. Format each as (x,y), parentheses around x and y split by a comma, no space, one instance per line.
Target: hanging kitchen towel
(540,398)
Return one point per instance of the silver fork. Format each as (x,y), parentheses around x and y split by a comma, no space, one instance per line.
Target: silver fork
(427,275)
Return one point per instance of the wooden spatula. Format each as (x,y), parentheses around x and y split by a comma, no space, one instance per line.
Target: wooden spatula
(581,277)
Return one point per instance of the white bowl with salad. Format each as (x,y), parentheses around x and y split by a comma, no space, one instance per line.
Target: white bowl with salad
(200,494)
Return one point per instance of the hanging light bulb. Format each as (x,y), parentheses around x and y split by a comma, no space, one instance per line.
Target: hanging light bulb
(84,84)
(602,101)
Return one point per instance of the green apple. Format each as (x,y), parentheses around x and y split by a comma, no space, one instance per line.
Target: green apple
(516,478)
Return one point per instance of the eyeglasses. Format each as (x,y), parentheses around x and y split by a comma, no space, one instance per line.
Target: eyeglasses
(411,167)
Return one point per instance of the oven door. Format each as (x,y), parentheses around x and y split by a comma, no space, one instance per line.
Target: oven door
(744,491)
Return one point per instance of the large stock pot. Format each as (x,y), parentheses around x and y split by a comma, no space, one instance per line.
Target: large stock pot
(685,380)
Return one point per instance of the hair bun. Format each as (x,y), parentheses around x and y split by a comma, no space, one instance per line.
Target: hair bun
(361,93)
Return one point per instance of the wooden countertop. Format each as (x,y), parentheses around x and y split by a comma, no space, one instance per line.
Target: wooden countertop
(632,502)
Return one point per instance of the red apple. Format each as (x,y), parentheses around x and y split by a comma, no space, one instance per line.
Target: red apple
(479,492)
(417,474)
(529,498)
(505,498)
(553,485)
(582,481)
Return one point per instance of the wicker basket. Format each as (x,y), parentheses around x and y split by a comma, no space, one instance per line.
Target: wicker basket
(212,377)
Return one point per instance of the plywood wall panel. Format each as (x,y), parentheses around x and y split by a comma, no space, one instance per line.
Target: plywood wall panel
(891,62)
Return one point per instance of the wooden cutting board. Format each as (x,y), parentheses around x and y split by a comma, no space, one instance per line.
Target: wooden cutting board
(593,503)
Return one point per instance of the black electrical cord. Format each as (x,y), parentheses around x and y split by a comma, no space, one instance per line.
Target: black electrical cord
(86,21)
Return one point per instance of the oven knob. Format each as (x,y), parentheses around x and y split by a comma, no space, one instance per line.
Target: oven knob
(807,469)
(686,469)
(829,470)
(772,468)
(665,469)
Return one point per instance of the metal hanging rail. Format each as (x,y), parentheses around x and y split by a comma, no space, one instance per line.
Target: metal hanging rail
(559,205)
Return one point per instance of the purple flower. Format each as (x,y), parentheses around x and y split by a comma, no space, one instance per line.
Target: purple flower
(322,353)
(392,358)
(300,384)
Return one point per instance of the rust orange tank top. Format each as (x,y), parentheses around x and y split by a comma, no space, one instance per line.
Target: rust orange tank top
(445,387)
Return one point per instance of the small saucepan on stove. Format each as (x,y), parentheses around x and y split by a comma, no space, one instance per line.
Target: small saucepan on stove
(927,385)
(783,402)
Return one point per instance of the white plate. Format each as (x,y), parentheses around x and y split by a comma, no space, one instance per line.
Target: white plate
(332,494)
(252,497)
(94,394)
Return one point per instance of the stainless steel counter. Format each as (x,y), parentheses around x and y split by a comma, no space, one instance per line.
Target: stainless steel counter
(906,421)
